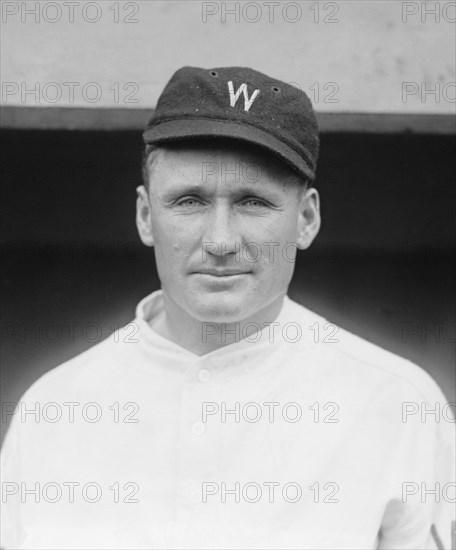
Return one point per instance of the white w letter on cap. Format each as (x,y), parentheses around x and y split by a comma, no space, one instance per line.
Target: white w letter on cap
(242,90)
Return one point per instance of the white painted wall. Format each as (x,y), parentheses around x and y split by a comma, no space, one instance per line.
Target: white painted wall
(368,49)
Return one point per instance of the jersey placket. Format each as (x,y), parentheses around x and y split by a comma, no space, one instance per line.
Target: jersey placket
(198,452)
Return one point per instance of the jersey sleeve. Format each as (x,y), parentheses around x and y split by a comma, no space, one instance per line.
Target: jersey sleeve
(12,534)
(443,513)
(423,513)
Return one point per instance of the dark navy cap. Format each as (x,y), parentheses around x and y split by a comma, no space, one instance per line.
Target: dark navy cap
(242,104)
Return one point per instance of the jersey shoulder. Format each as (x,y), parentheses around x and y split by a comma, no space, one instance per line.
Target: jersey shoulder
(91,367)
(351,350)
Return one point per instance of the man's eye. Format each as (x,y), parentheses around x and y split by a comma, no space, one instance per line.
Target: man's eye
(188,201)
(254,202)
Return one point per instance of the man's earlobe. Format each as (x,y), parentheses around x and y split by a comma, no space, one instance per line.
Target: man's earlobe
(309,220)
(144,217)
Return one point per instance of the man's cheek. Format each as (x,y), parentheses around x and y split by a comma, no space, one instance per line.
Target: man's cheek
(170,236)
(273,248)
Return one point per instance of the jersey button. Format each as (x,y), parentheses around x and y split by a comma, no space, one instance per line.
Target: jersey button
(204,375)
(198,428)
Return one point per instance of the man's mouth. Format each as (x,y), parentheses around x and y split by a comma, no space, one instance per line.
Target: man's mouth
(221,272)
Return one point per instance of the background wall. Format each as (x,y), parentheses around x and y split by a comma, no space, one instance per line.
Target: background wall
(351,55)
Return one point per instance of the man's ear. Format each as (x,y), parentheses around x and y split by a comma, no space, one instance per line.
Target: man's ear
(309,220)
(144,216)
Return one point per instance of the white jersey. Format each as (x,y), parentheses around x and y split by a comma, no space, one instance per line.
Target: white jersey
(301,436)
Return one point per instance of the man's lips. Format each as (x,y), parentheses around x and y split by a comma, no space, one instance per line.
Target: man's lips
(220,272)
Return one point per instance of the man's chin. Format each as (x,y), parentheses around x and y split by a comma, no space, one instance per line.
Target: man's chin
(222,307)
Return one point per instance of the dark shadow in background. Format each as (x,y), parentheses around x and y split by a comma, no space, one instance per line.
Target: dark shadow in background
(74,269)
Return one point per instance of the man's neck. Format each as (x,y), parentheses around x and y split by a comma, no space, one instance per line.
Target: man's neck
(177,325)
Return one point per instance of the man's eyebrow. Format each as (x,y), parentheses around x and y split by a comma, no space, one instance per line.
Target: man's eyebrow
(236,191)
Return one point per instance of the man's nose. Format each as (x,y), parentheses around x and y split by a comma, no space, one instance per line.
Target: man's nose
(222,236)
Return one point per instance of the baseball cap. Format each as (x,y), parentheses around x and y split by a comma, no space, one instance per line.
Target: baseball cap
(241,104)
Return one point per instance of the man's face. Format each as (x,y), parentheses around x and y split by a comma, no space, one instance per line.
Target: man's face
(225,225)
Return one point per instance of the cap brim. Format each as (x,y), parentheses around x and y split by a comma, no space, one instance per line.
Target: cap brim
(186,129)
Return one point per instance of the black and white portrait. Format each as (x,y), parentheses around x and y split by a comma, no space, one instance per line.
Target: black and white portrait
(228,293)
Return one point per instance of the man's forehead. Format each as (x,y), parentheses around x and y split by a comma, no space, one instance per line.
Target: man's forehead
(229,179)
(227,161)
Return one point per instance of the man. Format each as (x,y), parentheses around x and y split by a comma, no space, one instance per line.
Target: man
(226,415)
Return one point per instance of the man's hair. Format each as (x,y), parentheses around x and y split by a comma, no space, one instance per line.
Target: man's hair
(152,151)
(149,156)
